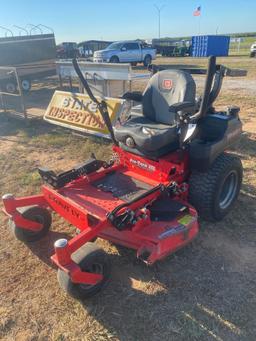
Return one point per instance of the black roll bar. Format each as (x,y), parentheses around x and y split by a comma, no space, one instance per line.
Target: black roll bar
(208,86)
(102,105)
(217,84)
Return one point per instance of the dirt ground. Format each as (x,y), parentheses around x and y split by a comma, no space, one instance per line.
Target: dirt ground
(204,292)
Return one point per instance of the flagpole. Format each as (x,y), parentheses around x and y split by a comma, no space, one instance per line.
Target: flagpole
(197,13)
(200,20)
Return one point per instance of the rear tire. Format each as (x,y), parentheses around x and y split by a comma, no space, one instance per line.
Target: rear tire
(26,85)
(11,87)
(214,192)
(92,259)
(114,59)
(147,60)
(33,213)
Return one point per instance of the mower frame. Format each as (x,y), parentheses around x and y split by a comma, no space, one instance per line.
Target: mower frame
(98,213)
(150,247)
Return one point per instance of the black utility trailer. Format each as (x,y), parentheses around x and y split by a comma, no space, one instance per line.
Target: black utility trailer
(33,56)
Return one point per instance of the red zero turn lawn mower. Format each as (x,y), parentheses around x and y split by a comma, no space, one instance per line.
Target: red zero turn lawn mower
(168,167)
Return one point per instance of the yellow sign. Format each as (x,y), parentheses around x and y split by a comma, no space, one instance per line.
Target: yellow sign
(79,112)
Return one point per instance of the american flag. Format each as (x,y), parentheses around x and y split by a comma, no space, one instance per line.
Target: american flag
(197,12)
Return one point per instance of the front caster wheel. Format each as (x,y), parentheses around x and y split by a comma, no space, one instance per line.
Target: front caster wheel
(34,213)
(90,258)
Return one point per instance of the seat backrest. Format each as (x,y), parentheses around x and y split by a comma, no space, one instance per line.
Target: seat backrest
(164,89)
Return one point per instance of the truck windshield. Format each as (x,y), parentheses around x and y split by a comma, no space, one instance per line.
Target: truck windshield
(114,46)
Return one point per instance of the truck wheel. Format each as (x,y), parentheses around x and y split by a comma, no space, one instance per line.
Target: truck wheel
(147,60)
(11,87)
(214,192)
(34,213)
(114,59)
(252,54)
(90,258)
(26,85)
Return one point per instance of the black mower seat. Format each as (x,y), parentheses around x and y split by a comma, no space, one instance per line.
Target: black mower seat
(148,135)
(155,132)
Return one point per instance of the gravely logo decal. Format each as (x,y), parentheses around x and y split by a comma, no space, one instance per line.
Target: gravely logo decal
(143,165)
(167,84)
(65,207)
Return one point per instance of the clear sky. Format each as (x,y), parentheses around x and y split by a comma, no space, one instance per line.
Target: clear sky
(79,20)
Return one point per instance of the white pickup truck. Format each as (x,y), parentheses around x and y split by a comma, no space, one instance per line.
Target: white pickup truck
(253,50)
(125,52)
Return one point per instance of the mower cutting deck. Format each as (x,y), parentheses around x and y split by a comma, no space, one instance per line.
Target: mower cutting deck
(143,197)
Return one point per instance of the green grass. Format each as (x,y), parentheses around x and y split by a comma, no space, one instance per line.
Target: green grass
(29,178)
(244,49)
